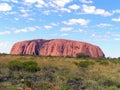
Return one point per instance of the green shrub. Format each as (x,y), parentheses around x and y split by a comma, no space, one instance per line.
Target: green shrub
(108,82)
(30,66)
(28,83)
(75,83)
(68,56)
(27,66)
(81,55)
(29,63)
(45,86)
(84,63)
(104,62)
(119,58)
(15,65)
(65,87)
(113,88)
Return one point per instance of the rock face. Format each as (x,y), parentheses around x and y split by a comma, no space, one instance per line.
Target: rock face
(56,47)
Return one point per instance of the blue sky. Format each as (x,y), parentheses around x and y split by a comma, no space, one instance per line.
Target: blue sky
(93,21)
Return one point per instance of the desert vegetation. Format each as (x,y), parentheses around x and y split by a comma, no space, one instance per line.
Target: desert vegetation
(18,72)
(81,55)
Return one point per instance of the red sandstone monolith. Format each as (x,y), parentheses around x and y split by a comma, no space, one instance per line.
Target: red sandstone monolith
(56,47)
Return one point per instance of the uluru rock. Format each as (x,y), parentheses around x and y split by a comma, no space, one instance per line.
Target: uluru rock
(56,47)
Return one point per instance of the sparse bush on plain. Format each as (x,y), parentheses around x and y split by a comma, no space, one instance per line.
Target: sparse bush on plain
(84,63)
(68,56)
(102,58)
(119,58)
(113,88)
(45,86)
(27,66)
(15,65)
(28,83)
(103,62)
(65,87)
(81,55)
(108,82)
(31,66)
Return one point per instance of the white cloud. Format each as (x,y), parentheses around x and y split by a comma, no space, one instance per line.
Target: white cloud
(93,10)
(34,1)
(25,15)
(117,39)
(74,7)
(16,18)
(28,29)
(86,1)
(31,19)
(117,35)
(116,11)
(54,24)
(25,12)
(104,25)
(11,13)
(64,29)
(93,35)
(4,0)
(82,22)
(58,5)
(39,3)
(80,30)
(5,32)
(64,10)
(61,3)
(51,25)
(30,1)
(65,34)
(15,1)
(5,47)
(5,7)
(116,19)
(46,12)
(99,37)
(48,27)
(22,10)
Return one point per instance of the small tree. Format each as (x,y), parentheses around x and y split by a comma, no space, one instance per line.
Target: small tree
(15,65)
(118,57)
(81,55)
(31,66)
(68,56)
(84,63)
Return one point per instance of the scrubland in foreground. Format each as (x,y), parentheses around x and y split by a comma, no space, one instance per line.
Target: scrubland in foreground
(58,73)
